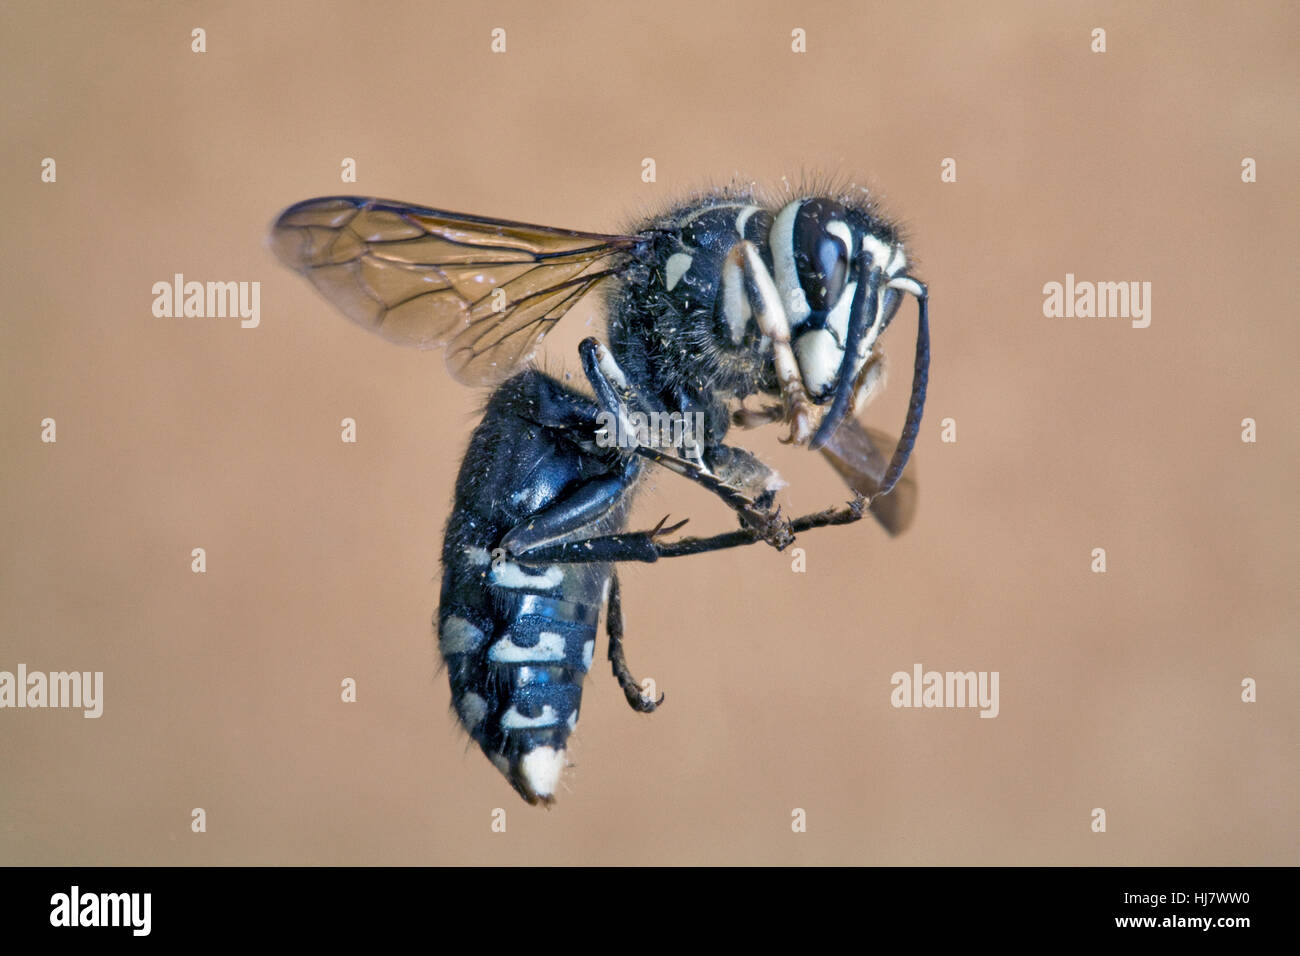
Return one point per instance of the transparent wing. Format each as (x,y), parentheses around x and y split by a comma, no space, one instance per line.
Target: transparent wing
(855,452)
(487,289)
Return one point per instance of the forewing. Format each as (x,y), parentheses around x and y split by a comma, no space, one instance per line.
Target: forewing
(487,289)
(855,452)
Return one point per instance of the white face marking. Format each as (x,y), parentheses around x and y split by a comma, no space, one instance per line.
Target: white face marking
(678,264)
(880,252)
(542,768)
(838,319)
(898,262)
(786,273)
(735,303)
(549,647)
(890,260)
(743,218)
(510,575)
(838,322)
(478,557)
(572,721)
(513,720)
(841,231)
(819,359)
(459,636)
(588,649)
(472,709)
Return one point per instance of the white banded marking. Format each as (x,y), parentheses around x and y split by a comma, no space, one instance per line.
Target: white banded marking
(513,720)
(549,647)
(510,575)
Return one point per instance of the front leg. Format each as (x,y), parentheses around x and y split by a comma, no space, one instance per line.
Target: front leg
(772,321)
(644,546)
(616,396)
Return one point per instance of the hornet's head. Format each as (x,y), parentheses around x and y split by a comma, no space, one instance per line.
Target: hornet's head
(794,297)
(822,253)
(826,283)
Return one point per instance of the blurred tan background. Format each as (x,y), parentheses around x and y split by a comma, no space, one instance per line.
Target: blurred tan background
(1118,690)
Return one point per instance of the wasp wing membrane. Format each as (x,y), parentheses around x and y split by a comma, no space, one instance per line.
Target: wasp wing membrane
(487,289)
(855,451)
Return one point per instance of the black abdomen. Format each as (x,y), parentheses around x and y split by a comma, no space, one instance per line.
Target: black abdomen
(518,640)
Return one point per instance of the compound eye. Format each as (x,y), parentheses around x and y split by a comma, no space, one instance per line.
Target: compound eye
(821,252)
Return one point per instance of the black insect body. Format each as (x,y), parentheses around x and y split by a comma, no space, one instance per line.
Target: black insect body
(518,640)
(718,300)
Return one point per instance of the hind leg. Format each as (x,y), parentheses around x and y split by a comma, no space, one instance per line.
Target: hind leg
(614,626)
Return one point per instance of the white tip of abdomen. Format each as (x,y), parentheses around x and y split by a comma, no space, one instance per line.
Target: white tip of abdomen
(540,771)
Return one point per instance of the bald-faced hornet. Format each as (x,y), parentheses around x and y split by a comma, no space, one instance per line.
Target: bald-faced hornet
(721,298)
